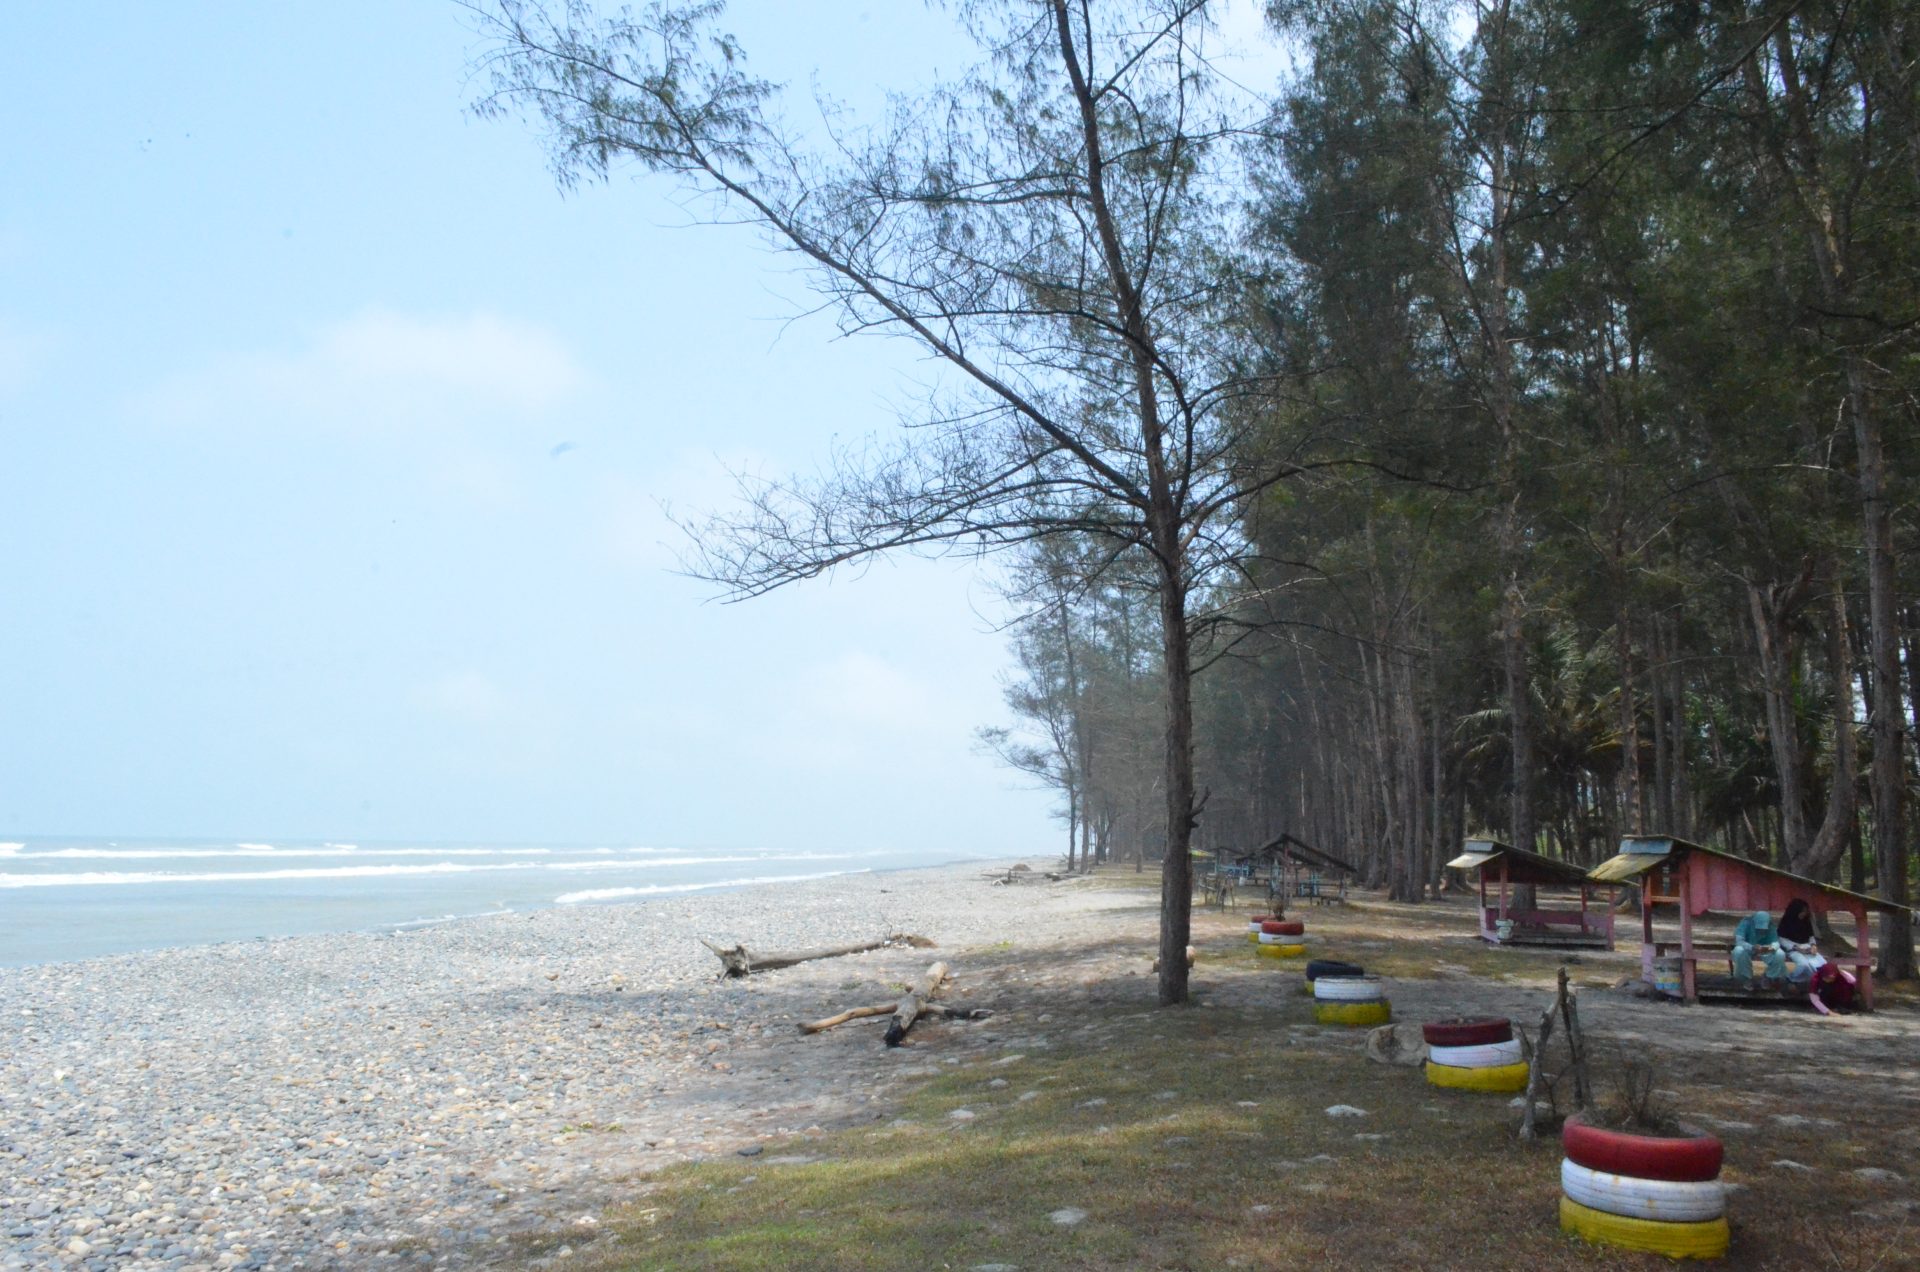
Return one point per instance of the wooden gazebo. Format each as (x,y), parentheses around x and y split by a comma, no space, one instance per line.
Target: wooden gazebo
(1493,862)
(1301,870)
(1701,880)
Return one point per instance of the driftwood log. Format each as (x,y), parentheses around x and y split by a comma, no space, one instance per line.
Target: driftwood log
(738,960)
(939,1011)
(914,1004)
(1535,1053)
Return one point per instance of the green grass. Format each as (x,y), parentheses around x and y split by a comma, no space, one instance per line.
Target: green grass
(1200,1155)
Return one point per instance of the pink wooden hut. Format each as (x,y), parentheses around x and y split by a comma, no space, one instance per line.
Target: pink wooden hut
(1701,880)
(1564,924)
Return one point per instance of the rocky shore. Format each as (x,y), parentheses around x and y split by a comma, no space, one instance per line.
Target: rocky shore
(408,1099)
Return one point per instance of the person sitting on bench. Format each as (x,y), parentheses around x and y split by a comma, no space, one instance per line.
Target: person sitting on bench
(1758,935)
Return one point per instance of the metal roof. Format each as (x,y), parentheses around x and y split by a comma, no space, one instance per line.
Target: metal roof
(1641,853)
(1521,863)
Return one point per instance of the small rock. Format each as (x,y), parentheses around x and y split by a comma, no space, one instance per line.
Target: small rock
(962,1115)
(1876,1175)
(1371,1135)
(1784,1163)
(1098,1101)
(1068,1216)
(1029,1095)
(1345,1110)
(1260,1210)
(994,1267)
(751,1150)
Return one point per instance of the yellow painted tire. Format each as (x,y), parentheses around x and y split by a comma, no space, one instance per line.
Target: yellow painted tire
(1253,938)
(1281,951)
(1499,1077)
(1705,1240)
(1378,1012)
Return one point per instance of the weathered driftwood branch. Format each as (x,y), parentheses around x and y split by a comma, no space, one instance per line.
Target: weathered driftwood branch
(938,1010)
(911,1007)
(738,960)
(1564,1007)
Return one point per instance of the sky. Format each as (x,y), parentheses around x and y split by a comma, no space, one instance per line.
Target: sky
(336,438)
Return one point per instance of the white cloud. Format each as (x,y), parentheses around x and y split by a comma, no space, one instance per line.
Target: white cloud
(380,372)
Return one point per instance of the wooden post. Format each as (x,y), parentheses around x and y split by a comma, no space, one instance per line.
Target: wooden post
(1688,991)
(1576,1045)
(1863,929)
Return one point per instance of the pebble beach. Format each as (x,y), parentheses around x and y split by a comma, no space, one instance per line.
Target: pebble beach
(413,1098)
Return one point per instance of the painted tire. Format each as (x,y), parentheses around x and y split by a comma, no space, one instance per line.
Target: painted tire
(1374,1013)
(1505,1078)
(1333,967)
(1349,989)
(1675,1240)
(1467,1031)
(1282,938)
(1283,927)
(1668,1200)
(1282,951)
(1488,1056)
(1687,1160)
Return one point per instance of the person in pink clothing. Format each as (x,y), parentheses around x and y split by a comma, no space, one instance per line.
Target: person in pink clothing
(1828,984)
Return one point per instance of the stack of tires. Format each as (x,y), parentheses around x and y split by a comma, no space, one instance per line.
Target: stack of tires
(1474,1054)
(1644,1192)
(1282,938)
(1350,1000)
(1253,926)
(1318,967)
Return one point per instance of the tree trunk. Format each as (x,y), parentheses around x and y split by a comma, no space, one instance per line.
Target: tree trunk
(1823,853)
(1176,873)
(1772,609)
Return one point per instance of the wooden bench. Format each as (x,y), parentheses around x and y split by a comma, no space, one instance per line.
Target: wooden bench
(1723,984)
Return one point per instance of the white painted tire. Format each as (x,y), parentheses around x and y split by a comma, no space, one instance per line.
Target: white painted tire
(1349,989)
(1664,1200)
(1491,1055)
(1283,938)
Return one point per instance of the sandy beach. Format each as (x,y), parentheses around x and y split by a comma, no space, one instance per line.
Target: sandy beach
(403,1099)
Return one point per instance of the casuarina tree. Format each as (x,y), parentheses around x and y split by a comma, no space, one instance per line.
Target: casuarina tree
(1054,226)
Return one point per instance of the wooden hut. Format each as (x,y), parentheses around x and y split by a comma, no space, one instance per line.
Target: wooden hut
(1701,881)
(1292,868)
(1566,923)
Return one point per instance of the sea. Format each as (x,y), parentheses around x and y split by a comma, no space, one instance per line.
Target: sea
(70,898)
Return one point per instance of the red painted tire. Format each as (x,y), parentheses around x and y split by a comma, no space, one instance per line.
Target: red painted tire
(1689,1159)
(1283,927)
(1467,1031)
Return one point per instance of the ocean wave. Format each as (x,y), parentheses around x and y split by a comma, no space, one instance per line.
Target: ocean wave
(256,853)
(412,924)
(255,847)
(657,889)
(8,850)
(98,878)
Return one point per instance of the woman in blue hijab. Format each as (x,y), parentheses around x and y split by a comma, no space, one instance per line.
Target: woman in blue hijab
(1758,935)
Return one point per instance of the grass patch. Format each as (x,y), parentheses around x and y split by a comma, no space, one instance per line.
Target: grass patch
(1197,1139)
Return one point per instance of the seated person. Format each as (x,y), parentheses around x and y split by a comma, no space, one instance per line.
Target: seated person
(1758,935)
